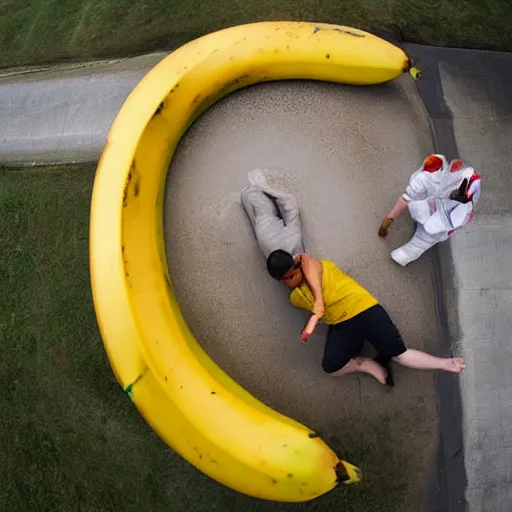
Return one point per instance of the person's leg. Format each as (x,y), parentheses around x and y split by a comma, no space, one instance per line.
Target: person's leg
(267,225)
(286,207)
(420,242)
(342,353)
(290,211)
(422,361)
(256,203)
(382,333)
(363,365)
(385,362)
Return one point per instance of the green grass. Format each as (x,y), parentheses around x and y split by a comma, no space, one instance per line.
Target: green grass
(43,31)
(70,439)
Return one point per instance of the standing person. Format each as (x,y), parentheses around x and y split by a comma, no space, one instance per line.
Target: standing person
(352,315)
(441,198)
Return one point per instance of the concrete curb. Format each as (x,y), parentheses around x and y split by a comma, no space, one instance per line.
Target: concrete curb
(449,495)
(44,124)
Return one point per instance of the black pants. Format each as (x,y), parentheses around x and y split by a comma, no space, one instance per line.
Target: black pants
(346,339)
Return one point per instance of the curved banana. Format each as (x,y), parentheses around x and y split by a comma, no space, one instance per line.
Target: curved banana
(188,400)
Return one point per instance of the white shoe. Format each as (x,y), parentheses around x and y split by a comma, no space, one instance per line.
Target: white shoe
(401,257)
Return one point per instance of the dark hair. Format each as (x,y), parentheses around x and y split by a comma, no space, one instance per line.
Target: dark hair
(278,263)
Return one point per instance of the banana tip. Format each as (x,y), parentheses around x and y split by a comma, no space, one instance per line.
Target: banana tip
(416,73)
(414,70)
(347,473)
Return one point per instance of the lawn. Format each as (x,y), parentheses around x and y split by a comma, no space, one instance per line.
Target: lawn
(44,31)
(70,438)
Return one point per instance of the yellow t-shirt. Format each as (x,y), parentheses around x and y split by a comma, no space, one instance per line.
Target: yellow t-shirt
(343,297)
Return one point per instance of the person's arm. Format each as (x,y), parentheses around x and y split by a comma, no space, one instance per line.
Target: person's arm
(415,191)
(396,211)
(312,270)
(309,328)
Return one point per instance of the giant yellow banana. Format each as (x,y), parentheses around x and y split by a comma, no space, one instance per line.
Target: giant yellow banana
(189,401)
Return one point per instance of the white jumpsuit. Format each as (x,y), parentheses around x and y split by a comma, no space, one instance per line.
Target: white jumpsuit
(436,215)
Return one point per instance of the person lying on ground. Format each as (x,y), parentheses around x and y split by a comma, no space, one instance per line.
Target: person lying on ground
(274,216)
(441,198)
(352,315)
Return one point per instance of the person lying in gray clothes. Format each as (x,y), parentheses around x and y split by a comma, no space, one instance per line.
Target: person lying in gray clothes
(274,217)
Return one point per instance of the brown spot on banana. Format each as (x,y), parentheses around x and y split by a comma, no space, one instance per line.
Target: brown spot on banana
(234,82)
(159,109)
(127,184)
(338,29)
(136,187)
(349,32)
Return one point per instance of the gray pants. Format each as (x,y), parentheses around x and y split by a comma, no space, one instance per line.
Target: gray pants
(275,219)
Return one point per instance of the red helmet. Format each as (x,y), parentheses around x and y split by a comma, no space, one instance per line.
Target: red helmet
(456,165)
(432,163)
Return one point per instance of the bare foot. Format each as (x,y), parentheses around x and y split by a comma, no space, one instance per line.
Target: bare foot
(455,365)
(374,369)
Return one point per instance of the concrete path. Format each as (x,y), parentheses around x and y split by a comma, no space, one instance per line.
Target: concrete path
(471,106)
(63,114)
(353,148)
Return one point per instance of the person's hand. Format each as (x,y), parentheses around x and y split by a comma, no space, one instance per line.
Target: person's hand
(384,227)
(460,193)
(309,329)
